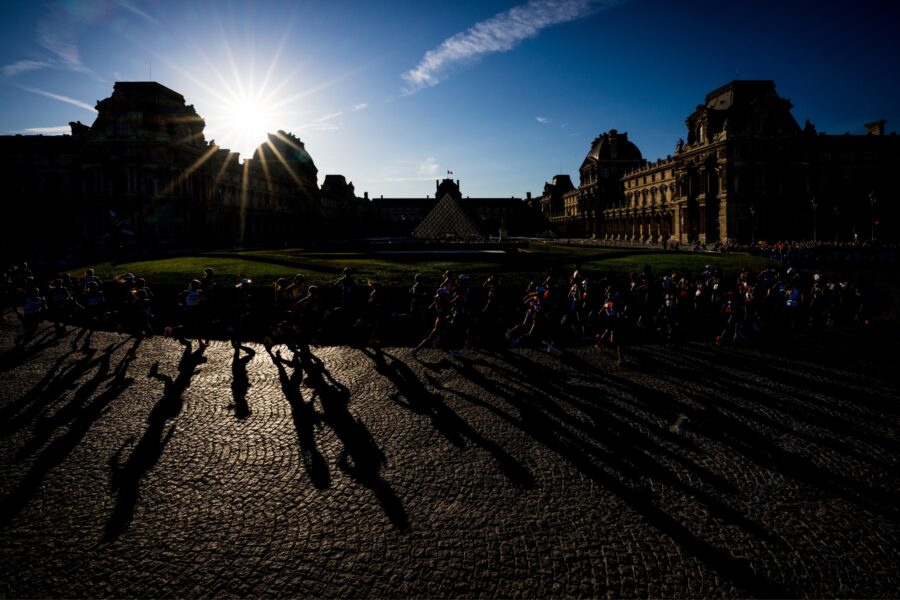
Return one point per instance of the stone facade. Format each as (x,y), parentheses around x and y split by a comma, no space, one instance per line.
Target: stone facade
(747,171)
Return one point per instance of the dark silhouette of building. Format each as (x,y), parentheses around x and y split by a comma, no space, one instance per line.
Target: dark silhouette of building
(747,171)
(143,174)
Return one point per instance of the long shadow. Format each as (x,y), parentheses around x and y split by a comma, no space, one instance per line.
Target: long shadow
(412,394)
(757,447)
(630,452)
(240,381)
(304,417)
(808,411)
(760,449)
(781,370)
(125,479)
(361,458)
(57,451)
(17,356)
(549,425)
(39,389)
(46,393)
(46,426)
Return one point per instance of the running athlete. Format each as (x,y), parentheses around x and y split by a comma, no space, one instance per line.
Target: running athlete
(33,308)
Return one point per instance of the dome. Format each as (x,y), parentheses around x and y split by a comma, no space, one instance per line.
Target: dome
(613,146)
(287,150)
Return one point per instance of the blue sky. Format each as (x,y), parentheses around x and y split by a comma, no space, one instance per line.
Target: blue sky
(395,94)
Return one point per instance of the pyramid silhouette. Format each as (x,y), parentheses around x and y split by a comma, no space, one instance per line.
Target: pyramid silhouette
(447,219)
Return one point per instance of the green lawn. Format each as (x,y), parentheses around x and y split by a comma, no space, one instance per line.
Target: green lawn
(265,266)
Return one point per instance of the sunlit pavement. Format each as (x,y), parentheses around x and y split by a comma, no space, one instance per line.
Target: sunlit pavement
(692,471)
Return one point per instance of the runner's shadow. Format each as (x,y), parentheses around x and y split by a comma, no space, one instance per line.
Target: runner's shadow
(613,455)
(412,394)
(305,419)
(17,356)
(48,391)
(240,381)
(46,426)
(125,479)
(39,389)
(361,458)
(56,452)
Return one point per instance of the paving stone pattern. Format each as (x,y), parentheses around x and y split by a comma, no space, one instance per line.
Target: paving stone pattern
(693,471)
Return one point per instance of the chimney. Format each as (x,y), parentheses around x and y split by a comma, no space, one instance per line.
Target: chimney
(528,195)
(366,195)
(875,127)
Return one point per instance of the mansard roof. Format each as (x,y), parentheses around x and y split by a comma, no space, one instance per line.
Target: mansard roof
(149,111)
(743,107)
(562,183)
(613,146)
(739,93)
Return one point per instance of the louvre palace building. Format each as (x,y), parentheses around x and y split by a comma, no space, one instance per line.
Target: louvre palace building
(746,171)
(144,171)
(143,174)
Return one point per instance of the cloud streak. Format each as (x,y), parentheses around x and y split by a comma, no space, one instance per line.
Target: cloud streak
(134,9)
(57,33)
(542,120)
(323,123)
(59,97)
(428,168)
(500,33)
(360,106)
(55,130)
(24,66)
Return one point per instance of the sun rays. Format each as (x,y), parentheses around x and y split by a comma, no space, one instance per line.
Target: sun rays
(246,121)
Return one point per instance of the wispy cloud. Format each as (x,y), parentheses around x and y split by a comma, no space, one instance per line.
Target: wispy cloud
(360,106)
(428,168)
(23,66)
(134,9)
(328,117)
(542,120)
(399,171)
(323,123)
(59,97)
(500,33)
(55,130)
(57,33)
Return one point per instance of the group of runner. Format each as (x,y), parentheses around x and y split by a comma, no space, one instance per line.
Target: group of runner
(459,313)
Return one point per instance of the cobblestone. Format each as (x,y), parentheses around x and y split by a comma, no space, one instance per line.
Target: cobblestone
(692,471)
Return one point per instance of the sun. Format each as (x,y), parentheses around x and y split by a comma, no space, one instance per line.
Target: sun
(246,122)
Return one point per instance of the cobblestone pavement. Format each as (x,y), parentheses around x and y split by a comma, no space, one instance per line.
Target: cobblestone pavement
(693,471)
